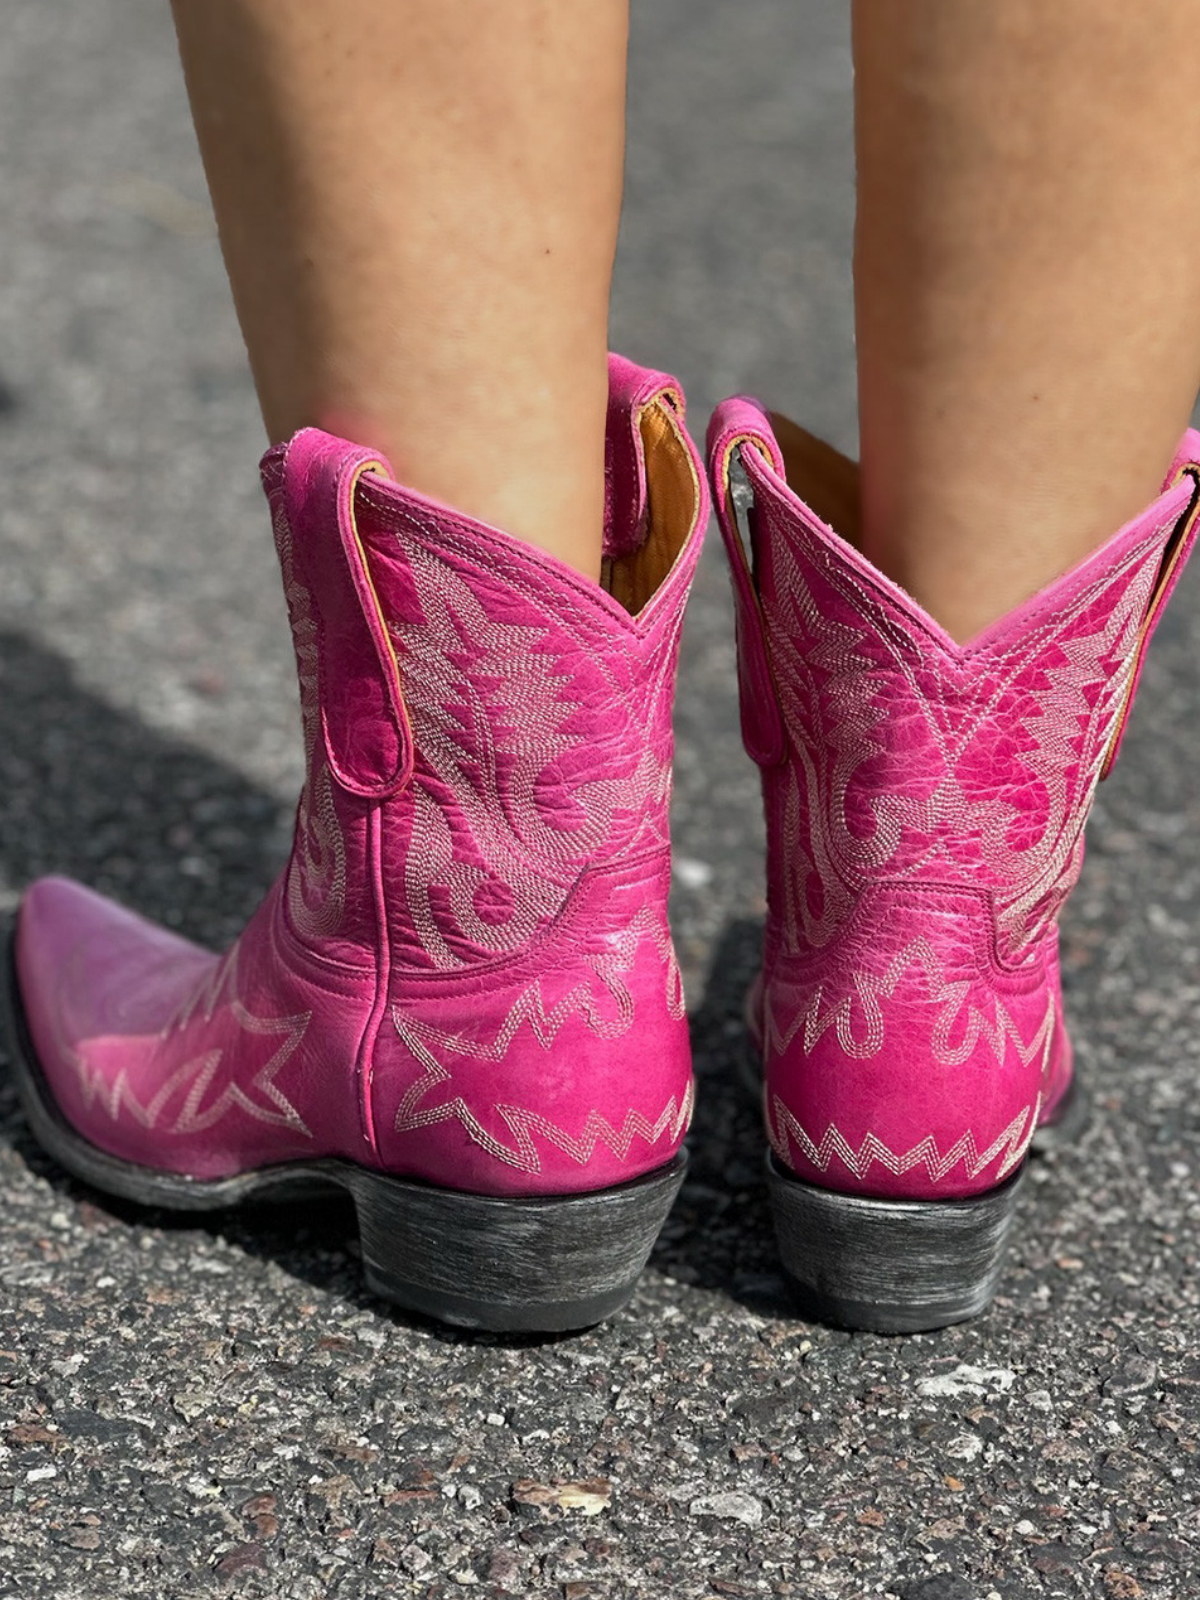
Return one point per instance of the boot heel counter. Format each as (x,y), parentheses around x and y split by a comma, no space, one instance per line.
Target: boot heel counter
(531,1104)
(904,1060)
(566,1071)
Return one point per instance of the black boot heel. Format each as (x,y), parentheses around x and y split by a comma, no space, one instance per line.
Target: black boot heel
(510,1266)
(890,1266)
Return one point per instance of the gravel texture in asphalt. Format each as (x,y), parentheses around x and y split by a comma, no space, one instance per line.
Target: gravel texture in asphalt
(193,1409)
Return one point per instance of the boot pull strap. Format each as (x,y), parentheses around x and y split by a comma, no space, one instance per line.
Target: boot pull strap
(364,723)
(738,428)
(1175,554)
(631,390)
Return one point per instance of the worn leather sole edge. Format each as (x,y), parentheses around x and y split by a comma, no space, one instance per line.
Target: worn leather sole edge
(890,1266)
(549,1264)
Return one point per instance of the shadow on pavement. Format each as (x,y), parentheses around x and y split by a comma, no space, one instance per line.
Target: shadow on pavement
(90,791)
(719,1235)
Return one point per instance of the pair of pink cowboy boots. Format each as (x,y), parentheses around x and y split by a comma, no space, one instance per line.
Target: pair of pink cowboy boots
(460,1000)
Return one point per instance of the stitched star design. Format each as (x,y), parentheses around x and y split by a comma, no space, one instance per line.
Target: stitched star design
(603,971)
(417,1111)
(210,1082)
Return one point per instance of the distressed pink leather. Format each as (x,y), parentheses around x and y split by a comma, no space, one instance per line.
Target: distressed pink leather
(465,972)
(925,807)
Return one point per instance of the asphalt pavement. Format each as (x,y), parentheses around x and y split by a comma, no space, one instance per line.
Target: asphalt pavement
(193,1409)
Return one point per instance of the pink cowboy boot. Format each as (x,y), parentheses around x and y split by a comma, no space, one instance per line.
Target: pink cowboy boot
(925,808)
(460,1001)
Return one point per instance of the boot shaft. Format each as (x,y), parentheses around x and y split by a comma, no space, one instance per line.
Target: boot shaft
(483,727)
(903,757)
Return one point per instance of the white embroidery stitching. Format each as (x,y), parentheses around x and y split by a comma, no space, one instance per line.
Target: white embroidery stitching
(490,702)
(790,1011)
(200,1072)
(1010,1145)
(829,692)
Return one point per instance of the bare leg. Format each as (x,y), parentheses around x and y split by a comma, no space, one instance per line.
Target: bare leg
(1028,283)
(418,206)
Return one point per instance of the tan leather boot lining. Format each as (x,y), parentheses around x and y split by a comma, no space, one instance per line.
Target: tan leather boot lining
(672,495)
(823,477)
